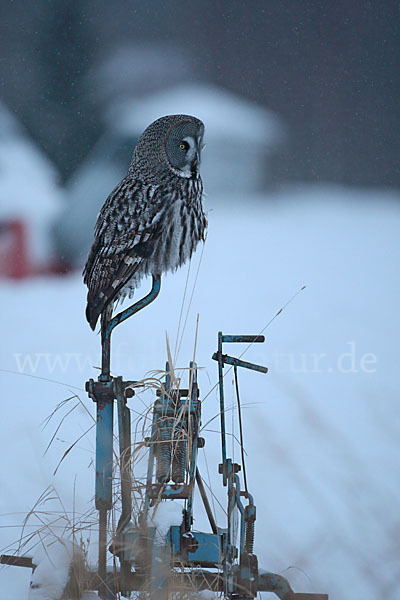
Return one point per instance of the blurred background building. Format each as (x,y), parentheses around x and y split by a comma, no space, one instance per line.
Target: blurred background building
(30,201)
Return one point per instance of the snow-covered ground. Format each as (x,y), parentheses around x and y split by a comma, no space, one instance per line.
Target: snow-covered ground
(321,428)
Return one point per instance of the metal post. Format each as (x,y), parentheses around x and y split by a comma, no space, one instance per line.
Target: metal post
(192,426)
(102,566)
(103,498)
(222,405)
(103,393)
(124,430)
(104,455)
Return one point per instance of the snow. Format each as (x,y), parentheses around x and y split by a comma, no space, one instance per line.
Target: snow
(321,432)
(52,569)
(165,515)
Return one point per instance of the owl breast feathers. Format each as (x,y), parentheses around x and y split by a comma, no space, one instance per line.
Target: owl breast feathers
(153,220)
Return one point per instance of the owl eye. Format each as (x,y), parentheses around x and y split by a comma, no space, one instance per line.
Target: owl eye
(184,145)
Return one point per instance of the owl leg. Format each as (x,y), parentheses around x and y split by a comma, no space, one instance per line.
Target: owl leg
(106,317)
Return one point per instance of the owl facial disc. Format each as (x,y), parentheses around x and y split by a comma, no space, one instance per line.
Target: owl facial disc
(183,148)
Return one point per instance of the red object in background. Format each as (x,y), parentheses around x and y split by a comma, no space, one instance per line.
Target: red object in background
(14,262)
(14,254)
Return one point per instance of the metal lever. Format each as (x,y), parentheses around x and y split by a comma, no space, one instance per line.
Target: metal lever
(250,339)
(237,362)
(223,359)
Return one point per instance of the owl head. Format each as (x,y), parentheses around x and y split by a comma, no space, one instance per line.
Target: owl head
(169,146)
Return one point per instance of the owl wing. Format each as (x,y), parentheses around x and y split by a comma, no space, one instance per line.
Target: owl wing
(125,234)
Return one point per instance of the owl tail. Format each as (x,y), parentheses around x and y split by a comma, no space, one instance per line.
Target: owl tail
(93,311)
(101,302)
(97,305)
(98,301)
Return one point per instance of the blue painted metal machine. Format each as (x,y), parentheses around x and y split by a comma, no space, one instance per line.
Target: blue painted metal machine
(184,559)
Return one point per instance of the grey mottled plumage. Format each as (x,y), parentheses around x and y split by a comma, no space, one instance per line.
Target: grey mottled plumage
(153,220)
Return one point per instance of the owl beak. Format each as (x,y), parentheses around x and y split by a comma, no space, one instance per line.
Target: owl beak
(195,163)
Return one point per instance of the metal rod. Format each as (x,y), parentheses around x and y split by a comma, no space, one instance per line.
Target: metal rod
(191,442)
(206,503)
(237,362)
(150,466)
(105,344)
(104,454)
(251,339)
(109,324)
(104,431)
(16,561)
(241,431)
(102,566)
(222,405)
(124,427)
(134,308)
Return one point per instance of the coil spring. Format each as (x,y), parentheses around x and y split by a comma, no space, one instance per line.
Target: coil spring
(163,451)
(178,462)
(249,537)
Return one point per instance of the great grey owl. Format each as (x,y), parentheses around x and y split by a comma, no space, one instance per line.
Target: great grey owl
(153,220)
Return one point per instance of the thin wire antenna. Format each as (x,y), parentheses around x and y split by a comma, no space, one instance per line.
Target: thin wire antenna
(260,332)
(227,433)
(227,409)
(73,387)
(274,317)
